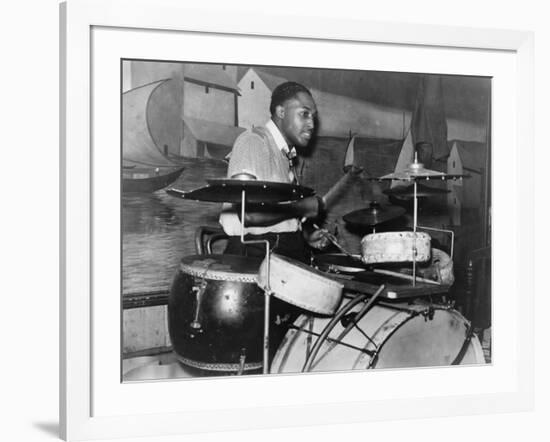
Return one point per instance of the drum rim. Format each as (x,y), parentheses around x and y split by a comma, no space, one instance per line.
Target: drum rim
(218,366)
(405,233)
(217,274)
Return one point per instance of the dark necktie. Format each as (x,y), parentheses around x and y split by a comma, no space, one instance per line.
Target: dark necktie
(291,155)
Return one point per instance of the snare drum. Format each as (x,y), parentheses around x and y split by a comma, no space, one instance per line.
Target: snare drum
(301,285)
(388,336)
(215,313)
(390,247)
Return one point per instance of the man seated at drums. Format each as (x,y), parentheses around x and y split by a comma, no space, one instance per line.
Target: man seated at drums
(268,153)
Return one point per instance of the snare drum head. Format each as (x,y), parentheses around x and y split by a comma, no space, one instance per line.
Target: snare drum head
(386,337)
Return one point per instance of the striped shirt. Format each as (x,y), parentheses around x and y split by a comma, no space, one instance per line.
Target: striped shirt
(259,152)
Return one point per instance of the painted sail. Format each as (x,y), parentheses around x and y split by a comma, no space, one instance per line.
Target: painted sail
(151,124)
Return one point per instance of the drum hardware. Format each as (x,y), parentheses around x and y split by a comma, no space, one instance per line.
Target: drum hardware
(242,360)
(199,291)
(308,365)
(428,313)
(450,232)
(266,288)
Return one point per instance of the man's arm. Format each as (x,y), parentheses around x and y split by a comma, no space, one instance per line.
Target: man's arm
(263,215)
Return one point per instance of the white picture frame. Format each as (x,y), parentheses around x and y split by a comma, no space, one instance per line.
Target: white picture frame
(81,415)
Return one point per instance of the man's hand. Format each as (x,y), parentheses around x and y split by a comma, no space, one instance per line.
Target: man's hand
(317,239)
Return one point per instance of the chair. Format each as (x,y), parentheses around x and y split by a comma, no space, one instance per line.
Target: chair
(206,237)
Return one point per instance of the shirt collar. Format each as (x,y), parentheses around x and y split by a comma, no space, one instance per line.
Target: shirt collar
(278,137)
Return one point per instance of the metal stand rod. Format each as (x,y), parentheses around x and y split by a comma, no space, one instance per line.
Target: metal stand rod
(267,288)
(415,221)
(444,231)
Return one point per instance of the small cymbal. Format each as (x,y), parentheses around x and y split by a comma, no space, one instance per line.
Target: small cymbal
(416,171)
(373,215)
(221,190)
(407,192)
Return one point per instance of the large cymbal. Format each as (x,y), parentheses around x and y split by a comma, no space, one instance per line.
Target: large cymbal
(373,215)
(221,190)
(407,192)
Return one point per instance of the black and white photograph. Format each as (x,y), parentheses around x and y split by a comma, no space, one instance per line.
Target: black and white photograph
(285,220)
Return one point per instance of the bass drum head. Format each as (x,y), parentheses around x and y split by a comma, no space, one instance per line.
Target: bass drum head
(386,337)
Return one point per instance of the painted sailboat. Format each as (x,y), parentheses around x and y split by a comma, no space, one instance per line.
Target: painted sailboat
(146,125)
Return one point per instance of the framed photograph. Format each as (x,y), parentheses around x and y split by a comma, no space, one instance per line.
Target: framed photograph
(411,178)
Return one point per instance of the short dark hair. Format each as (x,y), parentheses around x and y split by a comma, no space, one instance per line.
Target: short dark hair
(284,92)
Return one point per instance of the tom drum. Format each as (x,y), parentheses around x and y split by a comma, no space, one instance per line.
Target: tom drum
(215,313)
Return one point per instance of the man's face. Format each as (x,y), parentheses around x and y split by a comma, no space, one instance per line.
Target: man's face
(297,119)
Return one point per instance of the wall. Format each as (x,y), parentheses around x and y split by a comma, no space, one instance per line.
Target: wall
(253,103)
(144,72)
(217,105)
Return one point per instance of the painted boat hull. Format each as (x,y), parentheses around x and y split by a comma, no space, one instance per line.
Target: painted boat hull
(147,180)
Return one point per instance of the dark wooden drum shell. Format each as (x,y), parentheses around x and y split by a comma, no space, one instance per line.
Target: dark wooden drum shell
(215,313)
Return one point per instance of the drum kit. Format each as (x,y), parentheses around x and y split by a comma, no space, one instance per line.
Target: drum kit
(219,321)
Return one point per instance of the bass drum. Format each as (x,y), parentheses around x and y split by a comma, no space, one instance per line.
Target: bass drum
(216,313)
(388,336)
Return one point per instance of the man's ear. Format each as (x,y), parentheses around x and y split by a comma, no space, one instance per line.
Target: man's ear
(280,111)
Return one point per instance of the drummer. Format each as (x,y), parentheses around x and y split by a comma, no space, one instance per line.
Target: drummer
(268,153)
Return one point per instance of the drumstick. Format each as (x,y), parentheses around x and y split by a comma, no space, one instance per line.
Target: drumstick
(404,276)
(334,241)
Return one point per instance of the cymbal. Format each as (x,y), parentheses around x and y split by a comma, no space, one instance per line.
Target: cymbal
(373,215)
(422,191)
(221,190)
(417,171)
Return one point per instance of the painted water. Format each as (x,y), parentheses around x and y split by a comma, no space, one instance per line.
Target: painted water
(158,229)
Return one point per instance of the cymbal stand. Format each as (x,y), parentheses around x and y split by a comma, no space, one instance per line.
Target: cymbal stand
(267,288)
(415,222)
